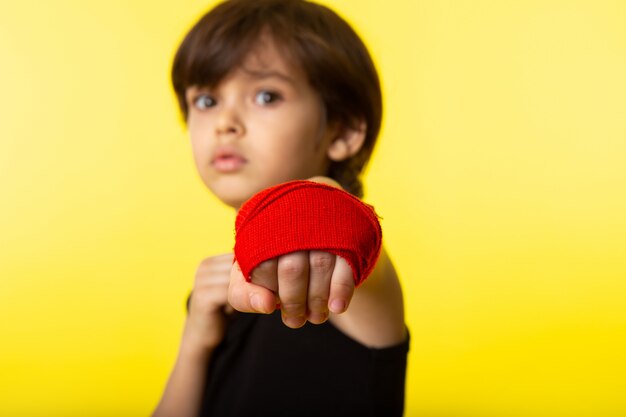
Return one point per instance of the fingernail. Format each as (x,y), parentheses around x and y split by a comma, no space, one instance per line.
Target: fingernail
(318,318)
(337,306)
(294,322)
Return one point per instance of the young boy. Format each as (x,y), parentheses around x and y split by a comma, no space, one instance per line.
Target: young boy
(274,91)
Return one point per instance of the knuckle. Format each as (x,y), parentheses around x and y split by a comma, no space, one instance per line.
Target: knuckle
(199,279)
(202,279)
(207,261)
(321,262)
(264,268)
(291,266)
(318,302)
(204,266)
(206,300)
(344,287)
(292,308)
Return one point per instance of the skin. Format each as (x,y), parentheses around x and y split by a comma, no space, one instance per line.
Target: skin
(261,126)
(266,114)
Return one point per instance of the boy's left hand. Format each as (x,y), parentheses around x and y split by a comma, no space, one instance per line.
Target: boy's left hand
(306,284)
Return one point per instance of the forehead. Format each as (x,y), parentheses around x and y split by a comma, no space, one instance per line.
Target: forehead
(269,56)
(263,58)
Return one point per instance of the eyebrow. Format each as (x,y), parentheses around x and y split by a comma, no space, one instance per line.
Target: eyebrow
(263,74)
(257,74)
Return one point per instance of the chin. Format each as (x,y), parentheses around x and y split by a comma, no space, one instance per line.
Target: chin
(235,193)
(234,200)
(230,193)
(236,204)
(231,200)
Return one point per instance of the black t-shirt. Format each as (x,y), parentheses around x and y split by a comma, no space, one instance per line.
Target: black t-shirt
(263,368)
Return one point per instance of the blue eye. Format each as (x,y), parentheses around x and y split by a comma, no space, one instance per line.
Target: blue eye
(203,102)
(265,97)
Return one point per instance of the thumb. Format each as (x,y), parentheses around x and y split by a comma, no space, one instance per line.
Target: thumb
(247,297)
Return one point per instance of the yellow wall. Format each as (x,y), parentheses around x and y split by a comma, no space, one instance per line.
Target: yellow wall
(501,177)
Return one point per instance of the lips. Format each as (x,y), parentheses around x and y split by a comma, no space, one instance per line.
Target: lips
(227,160)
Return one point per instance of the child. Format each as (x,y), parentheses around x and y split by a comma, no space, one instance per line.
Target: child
(274,91)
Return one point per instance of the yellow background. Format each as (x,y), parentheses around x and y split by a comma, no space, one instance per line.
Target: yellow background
(501,177)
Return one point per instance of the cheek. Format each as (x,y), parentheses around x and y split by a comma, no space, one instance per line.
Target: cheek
(197,129)
(298,134)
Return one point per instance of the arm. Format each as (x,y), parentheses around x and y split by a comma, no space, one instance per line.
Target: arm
(311,284)
(203,331)
(376,314)
(183,392)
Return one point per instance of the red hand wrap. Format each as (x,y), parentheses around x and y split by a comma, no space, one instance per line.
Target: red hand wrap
(305,215)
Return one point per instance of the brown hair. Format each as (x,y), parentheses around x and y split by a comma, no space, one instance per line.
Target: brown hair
(321,43)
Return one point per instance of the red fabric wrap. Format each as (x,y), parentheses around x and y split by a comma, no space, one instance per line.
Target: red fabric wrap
(306,215)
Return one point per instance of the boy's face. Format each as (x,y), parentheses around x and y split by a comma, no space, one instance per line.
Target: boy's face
(261,126)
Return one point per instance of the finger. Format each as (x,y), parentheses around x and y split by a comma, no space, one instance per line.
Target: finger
(341,286)
(224,257)
(209,298)
(209,293)
(265,275)
(218,261)
(247,297)
(210,287)
(293,278)
(321,265)
(215,265)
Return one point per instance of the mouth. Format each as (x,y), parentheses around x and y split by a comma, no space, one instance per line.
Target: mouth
(227,161)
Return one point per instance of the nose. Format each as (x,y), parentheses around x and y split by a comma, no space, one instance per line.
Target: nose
(229,122)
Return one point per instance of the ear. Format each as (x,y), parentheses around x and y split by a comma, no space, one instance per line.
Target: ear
(347,142)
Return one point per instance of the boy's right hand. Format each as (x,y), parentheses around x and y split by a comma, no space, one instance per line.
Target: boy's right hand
(307,285)
(208,307)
